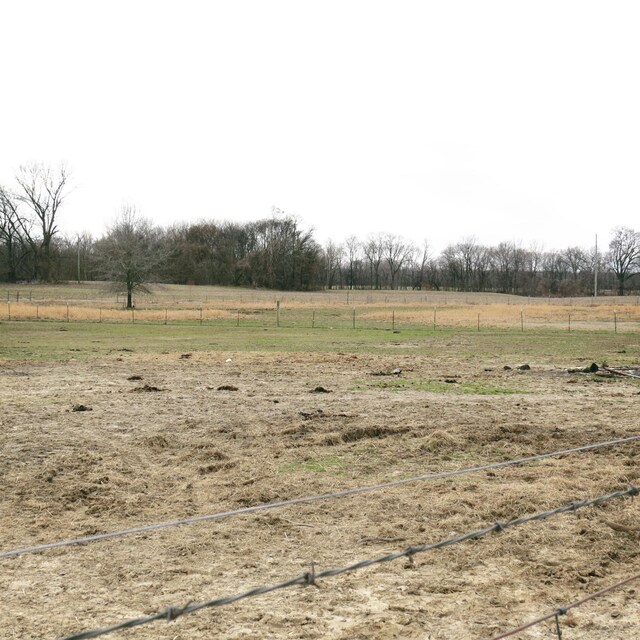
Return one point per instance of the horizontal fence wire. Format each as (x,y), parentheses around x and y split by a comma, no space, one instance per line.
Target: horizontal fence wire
(453,314)
(563,610)
(309,499)
(310,577)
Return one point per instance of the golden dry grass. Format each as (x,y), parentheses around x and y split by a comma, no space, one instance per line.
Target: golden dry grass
(370,309)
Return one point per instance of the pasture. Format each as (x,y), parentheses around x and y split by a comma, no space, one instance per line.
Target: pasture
(192,418)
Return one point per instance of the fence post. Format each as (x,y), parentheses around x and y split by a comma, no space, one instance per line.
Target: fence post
(67,312)
(354,318)
(313,319)
(393,320)
(478,323)
(522,320)
(37,312)
(277,313)
(100,314)
(133,316)
(434,317)
(238,319)
(166,313)
(9,310)
(615,322)
(200,316)
(569,323)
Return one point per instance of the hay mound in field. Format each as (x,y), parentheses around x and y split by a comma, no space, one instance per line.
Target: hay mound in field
(439,440)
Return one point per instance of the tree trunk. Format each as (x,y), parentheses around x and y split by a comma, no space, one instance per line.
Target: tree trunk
(45,263)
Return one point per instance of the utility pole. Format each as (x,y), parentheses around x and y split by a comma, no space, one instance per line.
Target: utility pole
(78,258)
(595,271)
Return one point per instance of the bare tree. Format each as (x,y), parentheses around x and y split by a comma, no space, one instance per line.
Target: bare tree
(373,250)
(509,259)
(130,253)
(452,267)
(421,260)
(333,254)
(84,244)
(396,252)
(41,191)
(467,250)
(13,246)
(482,264)
(533,262)
(553,272)
(624,255)
(576,259)
(352,245)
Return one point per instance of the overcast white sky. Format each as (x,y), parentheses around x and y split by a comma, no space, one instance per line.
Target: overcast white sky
(504,120)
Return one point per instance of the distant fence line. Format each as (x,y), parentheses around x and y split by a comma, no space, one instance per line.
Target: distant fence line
(490,317)
(167,295)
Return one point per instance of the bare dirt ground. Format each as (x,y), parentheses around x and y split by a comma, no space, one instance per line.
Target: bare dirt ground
(189,448)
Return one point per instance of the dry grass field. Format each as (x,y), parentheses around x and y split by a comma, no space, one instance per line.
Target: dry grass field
(187,420)
(170,304)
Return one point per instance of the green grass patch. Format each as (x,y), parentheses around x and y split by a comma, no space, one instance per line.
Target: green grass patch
(63,341)
(438,386)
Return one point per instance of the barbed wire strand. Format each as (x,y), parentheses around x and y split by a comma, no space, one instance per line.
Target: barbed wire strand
(310,578)
(306,500)
(563,610)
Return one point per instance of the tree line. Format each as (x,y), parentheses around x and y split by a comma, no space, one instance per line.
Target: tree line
(279,252)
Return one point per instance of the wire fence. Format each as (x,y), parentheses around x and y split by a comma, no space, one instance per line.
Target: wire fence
(555,615)
(310,577)
(309,315)
(309,499)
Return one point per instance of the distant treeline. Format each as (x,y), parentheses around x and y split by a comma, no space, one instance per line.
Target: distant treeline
(281,253)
